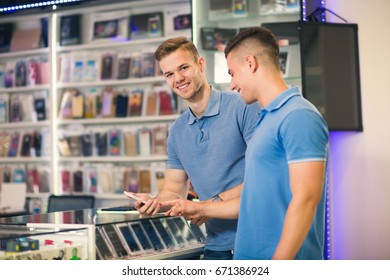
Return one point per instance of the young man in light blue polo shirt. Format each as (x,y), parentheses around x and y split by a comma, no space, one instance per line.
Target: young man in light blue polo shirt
(281,212)
(206,144)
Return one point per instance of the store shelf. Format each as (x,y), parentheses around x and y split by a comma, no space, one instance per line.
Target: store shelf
(114,159)
(25,89)
(24,53)
(29,125)
(38,195)
(115,44)
(127,120)
(145,80)
(24,159)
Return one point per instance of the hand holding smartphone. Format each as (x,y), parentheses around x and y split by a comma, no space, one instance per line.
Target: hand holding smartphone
(131,195)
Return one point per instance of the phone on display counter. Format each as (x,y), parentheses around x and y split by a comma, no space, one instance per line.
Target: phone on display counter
(129,194)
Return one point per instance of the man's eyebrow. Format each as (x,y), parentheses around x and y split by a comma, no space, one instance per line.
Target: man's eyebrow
(178,67)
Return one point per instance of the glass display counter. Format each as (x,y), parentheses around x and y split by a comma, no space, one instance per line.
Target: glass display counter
(90,234)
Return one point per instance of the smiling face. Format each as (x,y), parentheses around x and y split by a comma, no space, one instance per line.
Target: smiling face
(240,70)
(184,73)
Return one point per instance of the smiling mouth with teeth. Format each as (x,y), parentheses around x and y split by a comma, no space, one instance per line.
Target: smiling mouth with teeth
(182,86)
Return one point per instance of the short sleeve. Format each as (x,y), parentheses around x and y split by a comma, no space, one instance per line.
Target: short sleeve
(304,135)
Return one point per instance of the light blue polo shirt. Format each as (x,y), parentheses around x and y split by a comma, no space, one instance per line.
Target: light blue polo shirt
(289,130)
(211,150)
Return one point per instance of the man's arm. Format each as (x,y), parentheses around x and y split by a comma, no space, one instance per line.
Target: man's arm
(174,188)
(199,212)
(204,209)
(306,182)
(231,193)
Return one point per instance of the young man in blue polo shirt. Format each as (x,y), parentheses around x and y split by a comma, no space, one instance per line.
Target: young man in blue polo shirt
(281,213)
(206,144)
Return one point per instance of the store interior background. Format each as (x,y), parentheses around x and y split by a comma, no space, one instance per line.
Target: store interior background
(360,162)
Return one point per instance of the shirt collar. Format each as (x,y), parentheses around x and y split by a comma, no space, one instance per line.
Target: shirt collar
(282,99)
(212,107)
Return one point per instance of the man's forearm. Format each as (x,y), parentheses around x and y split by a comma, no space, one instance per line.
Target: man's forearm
(296,226)
(231,193)
(220,209)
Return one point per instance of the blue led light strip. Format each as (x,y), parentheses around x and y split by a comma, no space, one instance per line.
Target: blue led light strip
(304,10)
(35,5)
(327,245)
(323,11)
(323,19)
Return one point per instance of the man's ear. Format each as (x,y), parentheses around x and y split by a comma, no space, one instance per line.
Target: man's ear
(252,62)
(202,63)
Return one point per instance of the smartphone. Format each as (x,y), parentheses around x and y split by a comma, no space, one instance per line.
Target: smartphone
(129,194)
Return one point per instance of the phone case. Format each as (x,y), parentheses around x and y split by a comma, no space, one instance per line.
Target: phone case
(144,181)
(5,143)
(77,69)
(165,103)
(101,143)
(154,26)
(19,175)
(66,104)
(91,179)
(135,103)
(131,144)
(3,111)
(159,140)
(77,105)
(16,110)
(123,68)
(40,108)
(136,67)
(132,180)
(121,102)
(144,141)
(26,145)
(37,143)
(21,74)
(78,181)
(86,144)
(115,142)
(32,179)
(74,145)
(160,180)
(6,175)
(151,104)
(148,64)
(33,77)
(107,103)
(90,107)
(14,144)
(65,181)
(64,148)
(107,66)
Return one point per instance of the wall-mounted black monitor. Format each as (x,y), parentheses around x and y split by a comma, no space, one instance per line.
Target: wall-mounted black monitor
(331,73)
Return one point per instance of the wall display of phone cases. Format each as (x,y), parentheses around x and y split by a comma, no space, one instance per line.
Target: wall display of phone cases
(113,106)
(224,19)
(25,136)
(104,75)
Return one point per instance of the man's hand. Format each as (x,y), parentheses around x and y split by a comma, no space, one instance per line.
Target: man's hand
(186,208)
(150,207)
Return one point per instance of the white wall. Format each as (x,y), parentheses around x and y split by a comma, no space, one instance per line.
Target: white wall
(360,163)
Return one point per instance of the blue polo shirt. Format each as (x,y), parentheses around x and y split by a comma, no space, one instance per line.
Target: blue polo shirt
(289,130)
(211,149)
